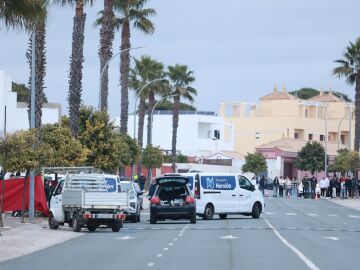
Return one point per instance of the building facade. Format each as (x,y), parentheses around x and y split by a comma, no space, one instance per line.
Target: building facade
(16,116)
(280,114)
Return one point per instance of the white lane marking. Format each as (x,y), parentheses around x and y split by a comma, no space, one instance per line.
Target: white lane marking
(175,239)
(229,237)
(353,216)
(268,213)
(165,248)
(170,244)
(140,228)
(125,238)
(290,214)
(150,264)
(302,257)
(332,215)
(145,214)
(331,238)
(159,255)
(180,234)
(312,214)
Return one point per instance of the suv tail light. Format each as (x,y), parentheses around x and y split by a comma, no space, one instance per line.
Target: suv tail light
(189,200)
(155,200)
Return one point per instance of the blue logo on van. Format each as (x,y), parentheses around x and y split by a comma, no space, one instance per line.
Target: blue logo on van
(191,182)
(110,184)
(218,182)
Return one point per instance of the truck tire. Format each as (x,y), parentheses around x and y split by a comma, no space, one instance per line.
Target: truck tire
(209,212)
(53,224)
(76,223)
(222,216)
(91,228)
(255,211)
(116,226)
(193,219)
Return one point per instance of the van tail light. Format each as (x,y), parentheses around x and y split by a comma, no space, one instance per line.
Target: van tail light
(189,200)
(87,215)
(155,200)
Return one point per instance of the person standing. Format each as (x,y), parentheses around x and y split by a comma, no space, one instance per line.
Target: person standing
(281,186)
(305,184)
(348,186)
(333,186)
(275,186)
(262,183)
(327,182)
(322,188)
(313,183)
(288,187)
(342,188)
(294,187)
(142,181)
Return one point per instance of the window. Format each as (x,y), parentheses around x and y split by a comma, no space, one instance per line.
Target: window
(244,183)
(306,113)
(311,137)
(217,134)
(322,138)
(296,135)
(59,188)
(342,138)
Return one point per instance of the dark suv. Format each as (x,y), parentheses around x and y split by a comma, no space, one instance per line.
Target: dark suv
(172,200)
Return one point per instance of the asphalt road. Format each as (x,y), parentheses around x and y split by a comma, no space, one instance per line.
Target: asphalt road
(291,234)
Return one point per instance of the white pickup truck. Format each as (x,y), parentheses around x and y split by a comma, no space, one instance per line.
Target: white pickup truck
(87,200)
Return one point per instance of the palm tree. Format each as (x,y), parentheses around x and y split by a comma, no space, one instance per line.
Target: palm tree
(20,14)
(40,63)
(146,70)
(132,12)
(349,68)
(180,79)
(76,63)
(105,50)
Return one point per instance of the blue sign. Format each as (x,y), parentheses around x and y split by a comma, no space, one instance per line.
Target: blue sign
(191,182)
(218,182)
(110,184)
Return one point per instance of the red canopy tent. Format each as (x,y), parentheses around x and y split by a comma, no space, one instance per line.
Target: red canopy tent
(14,191)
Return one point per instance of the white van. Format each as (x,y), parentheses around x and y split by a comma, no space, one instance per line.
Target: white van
(225,194)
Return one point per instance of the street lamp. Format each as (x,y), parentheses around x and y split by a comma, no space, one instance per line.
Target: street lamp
(139,91)
(106,64)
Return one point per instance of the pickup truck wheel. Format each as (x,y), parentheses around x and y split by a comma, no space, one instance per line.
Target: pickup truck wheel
(222,216)
(53,224)
(209,212)
(91,228)
(116,226)
(193,219)
(255,211)
(76,224)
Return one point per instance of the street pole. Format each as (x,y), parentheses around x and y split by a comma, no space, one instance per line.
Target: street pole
(104,67)
(32,125)
(339,132)
(326,140)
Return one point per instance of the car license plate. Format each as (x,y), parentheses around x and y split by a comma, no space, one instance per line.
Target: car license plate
(104,216)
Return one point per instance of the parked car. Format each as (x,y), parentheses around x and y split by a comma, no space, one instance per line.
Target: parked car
(172,200)
(135,200)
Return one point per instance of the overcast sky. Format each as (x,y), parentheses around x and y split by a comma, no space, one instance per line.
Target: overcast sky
(238,49)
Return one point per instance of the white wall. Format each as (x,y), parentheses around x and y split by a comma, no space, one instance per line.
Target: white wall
(192,135)
(17,115)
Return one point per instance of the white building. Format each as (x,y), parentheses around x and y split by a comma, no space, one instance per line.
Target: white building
(199,133)
(16,112)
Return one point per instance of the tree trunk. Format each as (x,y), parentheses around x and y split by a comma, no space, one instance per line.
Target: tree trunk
(124,74)
(105,51)
(174,133)
(24,197)
(76,65)
(141,114)
(149,124)
(40,72)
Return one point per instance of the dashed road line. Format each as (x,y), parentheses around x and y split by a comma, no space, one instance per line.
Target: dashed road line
(150,264)
(290,214)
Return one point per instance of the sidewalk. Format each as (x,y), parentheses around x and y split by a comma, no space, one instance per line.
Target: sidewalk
(351,203)
(18,239)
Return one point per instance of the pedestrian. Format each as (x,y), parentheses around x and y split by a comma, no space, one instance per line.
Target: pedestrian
(358,187)
(281,186)
(327,182)
(342,189)
(322,188)
(262,183)
(306,185)
(338,186)
(313,183)
(142,181)
(294,187)
(348,186)
(275,186)
(333,186)
(288,187)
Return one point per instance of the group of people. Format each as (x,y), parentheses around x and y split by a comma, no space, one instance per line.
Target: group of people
(309,187)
